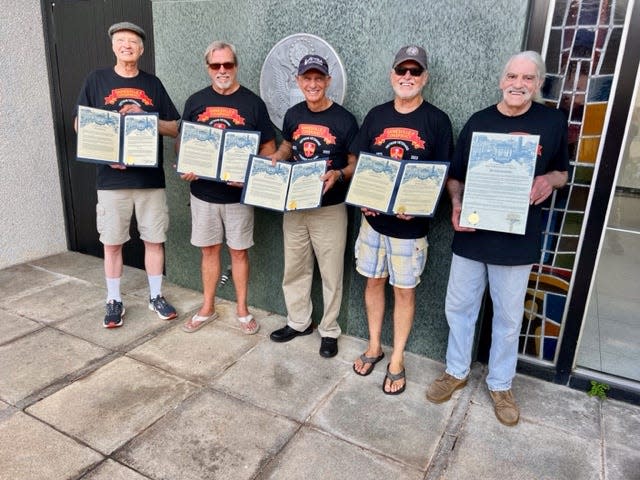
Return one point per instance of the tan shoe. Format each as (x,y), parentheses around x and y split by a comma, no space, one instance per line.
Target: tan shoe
(442,388)
(505,408)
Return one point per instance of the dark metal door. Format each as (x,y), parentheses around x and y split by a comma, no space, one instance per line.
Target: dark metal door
(77,42)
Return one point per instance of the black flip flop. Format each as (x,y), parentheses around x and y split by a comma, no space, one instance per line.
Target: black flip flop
(394,377)
(368,360)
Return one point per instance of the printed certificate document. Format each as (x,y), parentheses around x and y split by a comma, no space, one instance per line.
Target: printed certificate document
(140,140)
(98,135)
(237,147)
(373,182)
(285,186)
(498,182)
(199,150)
(108,137)
(419,188)
(409,187)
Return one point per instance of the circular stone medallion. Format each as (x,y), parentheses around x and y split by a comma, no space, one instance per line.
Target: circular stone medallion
(278,87)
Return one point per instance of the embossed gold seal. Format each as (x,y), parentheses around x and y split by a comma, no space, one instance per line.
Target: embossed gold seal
(473,218)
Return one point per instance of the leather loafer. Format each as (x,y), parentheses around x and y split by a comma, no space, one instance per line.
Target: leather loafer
(328,347)
(287,333)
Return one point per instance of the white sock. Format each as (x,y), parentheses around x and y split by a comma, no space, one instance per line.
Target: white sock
(155,285)
(113,289)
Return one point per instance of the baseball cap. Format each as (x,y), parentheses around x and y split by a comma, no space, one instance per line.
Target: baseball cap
(117,27)
(411,52)
(313,62)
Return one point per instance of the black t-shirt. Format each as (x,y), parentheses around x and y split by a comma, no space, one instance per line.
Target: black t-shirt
(424,134)
(501,248)
(321,135)
(107,90)
(242,110)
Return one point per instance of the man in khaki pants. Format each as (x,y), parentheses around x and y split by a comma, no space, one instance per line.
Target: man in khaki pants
(316,128)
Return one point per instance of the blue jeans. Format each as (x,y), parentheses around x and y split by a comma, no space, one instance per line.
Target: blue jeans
(508,287)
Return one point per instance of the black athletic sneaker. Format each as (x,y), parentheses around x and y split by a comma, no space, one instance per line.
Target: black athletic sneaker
(115,314)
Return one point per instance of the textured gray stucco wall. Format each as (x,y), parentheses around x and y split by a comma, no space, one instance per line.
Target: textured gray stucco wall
(467,42)
(31,217)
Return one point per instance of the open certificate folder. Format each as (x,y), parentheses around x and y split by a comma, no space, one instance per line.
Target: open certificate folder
(216,154)
(108,137)
(387,185)
(284,186)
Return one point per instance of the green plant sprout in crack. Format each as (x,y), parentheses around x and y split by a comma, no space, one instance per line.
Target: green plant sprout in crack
(598,390)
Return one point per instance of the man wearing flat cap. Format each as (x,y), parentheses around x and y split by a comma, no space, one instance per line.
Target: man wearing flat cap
(124,190)
(317,128)
(395,247)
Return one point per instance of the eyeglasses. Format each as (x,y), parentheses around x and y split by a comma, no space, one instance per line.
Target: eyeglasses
(226,65)
(413,71)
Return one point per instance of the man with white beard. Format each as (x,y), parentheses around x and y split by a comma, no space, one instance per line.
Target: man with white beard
(395,247)
(503,260)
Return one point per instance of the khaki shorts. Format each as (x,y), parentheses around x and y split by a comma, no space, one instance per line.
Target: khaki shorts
(211,221)
(115,208)
(381,256)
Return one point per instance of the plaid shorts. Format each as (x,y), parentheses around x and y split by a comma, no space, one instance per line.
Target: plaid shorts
(381,256)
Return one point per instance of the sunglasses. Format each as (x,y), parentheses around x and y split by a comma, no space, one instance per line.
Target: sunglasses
(413,71)
(226,65)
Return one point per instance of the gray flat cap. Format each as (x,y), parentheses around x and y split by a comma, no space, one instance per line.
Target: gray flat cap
(117,27)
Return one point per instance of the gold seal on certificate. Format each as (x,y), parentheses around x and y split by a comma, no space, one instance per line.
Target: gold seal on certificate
(473,218)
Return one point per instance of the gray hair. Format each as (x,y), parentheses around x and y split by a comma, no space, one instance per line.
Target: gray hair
(532,56)
(219,45)
(536,59)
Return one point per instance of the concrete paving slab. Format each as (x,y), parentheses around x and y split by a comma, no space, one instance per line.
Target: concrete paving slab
(268,321)
(14,326)
(288,378)
(621,424)
(30,450)
(110,470)
(56,302)
(73,264)
(91,269)
(199,356)
(113,404)
(622,463)
(22,279)
(488,450)
(551,404)
(183,299)
(359,412)
(313,455)
(139,322)
(37,360)
(210,436)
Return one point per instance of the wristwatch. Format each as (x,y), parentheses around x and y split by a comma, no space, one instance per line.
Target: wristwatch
(341,177)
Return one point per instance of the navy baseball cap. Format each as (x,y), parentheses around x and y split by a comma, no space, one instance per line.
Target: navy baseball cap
(313,62)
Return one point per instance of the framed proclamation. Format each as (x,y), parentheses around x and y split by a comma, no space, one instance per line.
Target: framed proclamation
(498,182)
